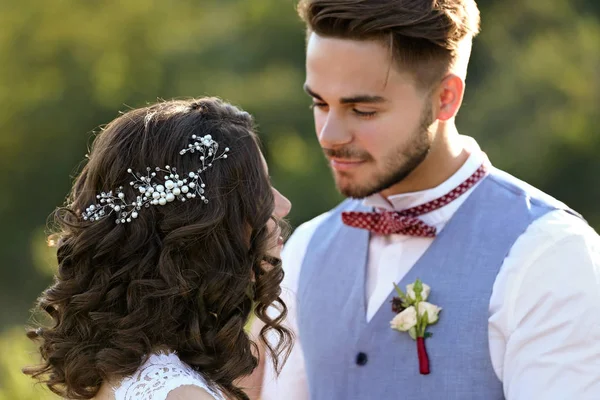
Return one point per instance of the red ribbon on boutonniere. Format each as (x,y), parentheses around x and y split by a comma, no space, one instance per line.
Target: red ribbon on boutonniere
(414,314)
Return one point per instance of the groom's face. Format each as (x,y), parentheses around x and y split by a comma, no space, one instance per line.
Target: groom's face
(371,120)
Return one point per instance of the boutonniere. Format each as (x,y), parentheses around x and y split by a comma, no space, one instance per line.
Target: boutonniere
(414,315)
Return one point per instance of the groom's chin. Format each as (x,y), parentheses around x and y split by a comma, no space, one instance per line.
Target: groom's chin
(352,190)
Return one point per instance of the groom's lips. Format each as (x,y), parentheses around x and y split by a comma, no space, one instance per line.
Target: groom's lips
(339,164)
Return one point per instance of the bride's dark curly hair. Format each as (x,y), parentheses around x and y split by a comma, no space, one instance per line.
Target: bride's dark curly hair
(185,276)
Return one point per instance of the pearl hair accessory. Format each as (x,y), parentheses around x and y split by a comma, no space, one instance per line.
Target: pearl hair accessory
(153,191)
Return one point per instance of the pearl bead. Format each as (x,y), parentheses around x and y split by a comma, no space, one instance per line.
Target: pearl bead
(150,189)
(121,195)
(191,174)
(92,207)
(154,202)
(185,189)
(117,208)
(160,188)
(162,201)
(156,195)
(189,195)
(134,215)
(192,185)
(179,183)
(169,184)
(163,194)
(176,191)
(170,197)
(142,189)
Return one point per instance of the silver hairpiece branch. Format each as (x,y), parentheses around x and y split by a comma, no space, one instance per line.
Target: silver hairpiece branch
(153,190)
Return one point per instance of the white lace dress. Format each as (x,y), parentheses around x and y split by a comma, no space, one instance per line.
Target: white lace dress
(158,376)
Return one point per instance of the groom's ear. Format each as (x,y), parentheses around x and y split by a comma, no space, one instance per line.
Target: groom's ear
(448,97)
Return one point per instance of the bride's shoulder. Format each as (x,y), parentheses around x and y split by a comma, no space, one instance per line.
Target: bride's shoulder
(164,376)
(189,392)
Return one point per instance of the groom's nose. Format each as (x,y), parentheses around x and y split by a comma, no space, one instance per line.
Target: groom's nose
(331,131)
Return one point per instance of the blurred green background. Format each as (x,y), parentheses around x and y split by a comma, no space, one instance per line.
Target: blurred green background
(68,66)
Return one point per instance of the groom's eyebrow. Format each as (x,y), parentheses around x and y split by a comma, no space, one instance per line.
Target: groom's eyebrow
(361,98)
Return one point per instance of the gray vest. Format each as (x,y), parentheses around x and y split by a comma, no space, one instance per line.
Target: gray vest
(348,358)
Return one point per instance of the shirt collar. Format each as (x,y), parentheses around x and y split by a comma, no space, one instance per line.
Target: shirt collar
(404,201)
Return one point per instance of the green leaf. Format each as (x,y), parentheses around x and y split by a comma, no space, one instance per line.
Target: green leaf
(413,332)
(424,320)
(405,300)
(427,335)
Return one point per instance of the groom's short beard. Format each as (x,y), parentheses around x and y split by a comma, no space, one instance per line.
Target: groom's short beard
(394,172)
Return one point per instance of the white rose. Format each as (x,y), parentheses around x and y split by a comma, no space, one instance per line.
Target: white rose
(405,320)
(410,292)
(433,311)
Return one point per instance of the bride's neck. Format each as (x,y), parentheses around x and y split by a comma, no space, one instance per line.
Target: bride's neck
(106,391)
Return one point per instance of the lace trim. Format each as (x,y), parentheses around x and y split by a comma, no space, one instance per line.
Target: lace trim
(161,374)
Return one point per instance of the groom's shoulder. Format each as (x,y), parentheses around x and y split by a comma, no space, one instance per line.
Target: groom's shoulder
(534,195)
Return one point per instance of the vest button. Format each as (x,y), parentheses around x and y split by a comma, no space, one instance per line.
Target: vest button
(361,358)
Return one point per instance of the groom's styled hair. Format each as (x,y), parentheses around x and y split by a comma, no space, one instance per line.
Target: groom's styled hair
(428,38)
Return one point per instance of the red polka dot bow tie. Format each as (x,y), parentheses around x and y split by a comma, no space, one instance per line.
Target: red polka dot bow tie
(406,222)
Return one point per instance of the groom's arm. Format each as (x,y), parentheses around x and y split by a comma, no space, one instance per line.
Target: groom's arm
(553,323)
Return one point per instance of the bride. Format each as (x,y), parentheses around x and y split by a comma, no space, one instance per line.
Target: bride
(169,241)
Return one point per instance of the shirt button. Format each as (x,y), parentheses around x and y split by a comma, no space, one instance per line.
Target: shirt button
(361,359)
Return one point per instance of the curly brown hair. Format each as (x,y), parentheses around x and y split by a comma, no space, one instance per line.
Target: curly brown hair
(185,276)
(425,35)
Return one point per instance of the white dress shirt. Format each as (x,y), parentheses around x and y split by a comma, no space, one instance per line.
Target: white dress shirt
(544,324)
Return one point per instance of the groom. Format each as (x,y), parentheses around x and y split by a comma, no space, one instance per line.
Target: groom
(516,272)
